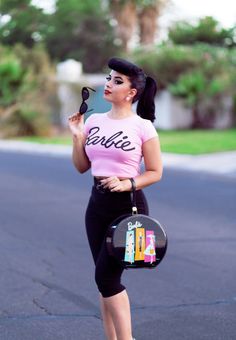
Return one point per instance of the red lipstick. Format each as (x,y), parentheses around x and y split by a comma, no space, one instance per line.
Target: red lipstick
(106,92)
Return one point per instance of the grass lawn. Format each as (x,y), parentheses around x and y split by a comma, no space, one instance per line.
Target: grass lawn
(196,142)
(63,140)
(193,142)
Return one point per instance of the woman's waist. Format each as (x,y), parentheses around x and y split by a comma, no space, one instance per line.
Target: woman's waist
(99,186)
(98,178)
(116,201)
(122,171)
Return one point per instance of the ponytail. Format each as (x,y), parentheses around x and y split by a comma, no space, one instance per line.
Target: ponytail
(146,102)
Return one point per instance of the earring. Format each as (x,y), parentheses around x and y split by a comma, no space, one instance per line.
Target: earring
(128,98)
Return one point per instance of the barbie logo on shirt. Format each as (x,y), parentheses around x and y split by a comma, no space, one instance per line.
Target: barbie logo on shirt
(116,140)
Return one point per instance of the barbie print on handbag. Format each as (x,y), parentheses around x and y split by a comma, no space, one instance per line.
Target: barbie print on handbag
(136,240)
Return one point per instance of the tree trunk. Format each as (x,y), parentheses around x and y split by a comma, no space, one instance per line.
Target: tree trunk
(125,14)
(196,124)
(204,117)
(148,20)
(148,24)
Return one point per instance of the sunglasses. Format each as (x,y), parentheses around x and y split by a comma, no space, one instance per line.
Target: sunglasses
(85,95)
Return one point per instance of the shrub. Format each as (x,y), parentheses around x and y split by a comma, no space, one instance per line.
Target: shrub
(206,30)
(203,75)
(25,90)
(166,62)
(11,74)
(206,87)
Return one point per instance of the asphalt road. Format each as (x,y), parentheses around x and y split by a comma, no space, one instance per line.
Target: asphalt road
(47,290)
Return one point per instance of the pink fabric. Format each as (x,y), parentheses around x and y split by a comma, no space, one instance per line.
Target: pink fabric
(114,146)
(150,251)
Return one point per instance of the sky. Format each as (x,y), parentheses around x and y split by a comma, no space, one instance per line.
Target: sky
(224,11)
(47,5)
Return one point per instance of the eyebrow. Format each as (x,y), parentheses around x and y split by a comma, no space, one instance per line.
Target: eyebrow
(117,77)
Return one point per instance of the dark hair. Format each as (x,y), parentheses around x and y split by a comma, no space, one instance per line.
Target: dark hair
(146,86)
(146,91)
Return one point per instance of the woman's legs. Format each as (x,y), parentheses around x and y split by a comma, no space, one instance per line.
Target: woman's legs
(108,324)
(116,316)
(114,300)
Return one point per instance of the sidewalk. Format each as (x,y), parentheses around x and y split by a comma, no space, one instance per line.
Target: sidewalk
(223,163)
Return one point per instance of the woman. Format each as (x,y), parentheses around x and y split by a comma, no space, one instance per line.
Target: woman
(113,144)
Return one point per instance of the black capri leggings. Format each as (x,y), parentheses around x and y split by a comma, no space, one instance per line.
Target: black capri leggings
(102,209)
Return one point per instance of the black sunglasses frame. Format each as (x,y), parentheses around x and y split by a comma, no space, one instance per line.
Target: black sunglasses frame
(85,96)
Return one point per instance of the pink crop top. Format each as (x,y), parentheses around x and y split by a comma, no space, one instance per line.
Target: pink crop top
(114,146)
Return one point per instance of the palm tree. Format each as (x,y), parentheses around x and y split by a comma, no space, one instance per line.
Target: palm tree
(125,14)
(132,13)
(148,14)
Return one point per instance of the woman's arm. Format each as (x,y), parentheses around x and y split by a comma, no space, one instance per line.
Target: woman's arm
(153,169)
(79,157)
(153,164)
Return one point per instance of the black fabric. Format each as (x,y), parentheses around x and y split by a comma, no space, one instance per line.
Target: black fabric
(99,187)
(102,209)
(124,66)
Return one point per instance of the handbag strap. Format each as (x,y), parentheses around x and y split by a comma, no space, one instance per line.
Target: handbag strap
(133,197)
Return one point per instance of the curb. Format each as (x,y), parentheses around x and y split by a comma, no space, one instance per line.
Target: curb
(35,148)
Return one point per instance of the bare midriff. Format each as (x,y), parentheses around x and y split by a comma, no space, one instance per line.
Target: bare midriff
(104,177)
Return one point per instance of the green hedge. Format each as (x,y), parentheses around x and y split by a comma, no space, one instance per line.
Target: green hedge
(25,91)
(202,74)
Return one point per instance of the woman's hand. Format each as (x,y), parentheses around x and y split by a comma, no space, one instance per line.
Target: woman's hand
(114,184)
(76,124)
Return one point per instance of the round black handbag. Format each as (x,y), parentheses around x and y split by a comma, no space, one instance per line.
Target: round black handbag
(136,240)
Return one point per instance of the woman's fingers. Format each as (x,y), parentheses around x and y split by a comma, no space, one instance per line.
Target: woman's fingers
(109,180)
(75,117)
(112,183)
(117,187)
